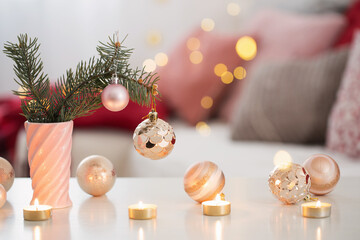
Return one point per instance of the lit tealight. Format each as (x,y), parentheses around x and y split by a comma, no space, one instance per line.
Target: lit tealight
(246,48)
(37,212)
(149,65)
(233,9)
(142,211)
(316,209)
(216,207)
(207,24)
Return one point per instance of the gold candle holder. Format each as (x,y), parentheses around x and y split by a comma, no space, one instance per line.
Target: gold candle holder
(142,211)
(316,209)
(217,207)
(37,212)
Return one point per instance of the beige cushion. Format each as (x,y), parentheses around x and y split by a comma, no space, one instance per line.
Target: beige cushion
(289,101)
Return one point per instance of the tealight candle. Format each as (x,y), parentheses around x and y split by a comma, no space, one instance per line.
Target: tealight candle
(37,212)
(316,209)
(217,207)
(142,211)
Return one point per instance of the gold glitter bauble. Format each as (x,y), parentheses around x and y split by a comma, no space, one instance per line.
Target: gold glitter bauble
(96,175)
(290,184)
(2,196)
(203,181)
(324,173)
(7,174)
(154,138)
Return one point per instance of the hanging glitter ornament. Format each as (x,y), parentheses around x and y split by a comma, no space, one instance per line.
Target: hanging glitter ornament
(203,181)
(7,174)
(115,97)
(96,175)
(324,173)
(2,196)
(290,183)
(154,138)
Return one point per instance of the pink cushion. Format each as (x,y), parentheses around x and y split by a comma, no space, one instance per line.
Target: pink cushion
(343,132)
(183,84)
(283,36)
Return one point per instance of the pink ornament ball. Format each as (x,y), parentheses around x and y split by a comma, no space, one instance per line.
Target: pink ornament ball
(115,97)
(324,173)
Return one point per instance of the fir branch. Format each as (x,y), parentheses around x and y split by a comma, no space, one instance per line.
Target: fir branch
(77,93)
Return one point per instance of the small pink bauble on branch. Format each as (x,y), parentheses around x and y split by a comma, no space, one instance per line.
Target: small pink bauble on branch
(2,196)
(324,173)
(115,97)
(96,175)
(203,181)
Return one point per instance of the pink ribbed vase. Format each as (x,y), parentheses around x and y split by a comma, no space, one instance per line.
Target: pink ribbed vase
(49,156)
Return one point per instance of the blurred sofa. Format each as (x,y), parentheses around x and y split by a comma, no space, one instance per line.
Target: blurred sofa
(245,158)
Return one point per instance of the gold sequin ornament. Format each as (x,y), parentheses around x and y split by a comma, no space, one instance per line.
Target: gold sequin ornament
(154,138)
(290,184)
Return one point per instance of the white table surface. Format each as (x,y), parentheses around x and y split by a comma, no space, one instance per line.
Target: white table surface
(256,214)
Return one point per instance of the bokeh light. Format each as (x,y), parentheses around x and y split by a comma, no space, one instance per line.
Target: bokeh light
(154,38)
(233,9)
(239,73)
(196,57)
(207,102)
(219,69)
(193,43)
(161,59)
(149,65)
(22,90)
(207,24)
(227,77)
(246,48)
(203,128)
(282,159)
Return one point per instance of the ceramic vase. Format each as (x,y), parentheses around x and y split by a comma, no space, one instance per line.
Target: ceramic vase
(49,157)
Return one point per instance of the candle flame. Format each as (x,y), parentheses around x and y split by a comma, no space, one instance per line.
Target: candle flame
(141,205)
(318,204)
(36,203)
(217,198)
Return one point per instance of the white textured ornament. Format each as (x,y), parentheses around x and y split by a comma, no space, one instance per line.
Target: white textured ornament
(96,175)
(290,184)
(115,97)
(7,174)
(154,138)
(2,196)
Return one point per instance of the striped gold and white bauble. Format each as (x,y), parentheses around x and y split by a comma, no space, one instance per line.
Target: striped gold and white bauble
(203,181)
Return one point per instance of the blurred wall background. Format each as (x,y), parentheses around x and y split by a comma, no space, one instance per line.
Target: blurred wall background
(69,30)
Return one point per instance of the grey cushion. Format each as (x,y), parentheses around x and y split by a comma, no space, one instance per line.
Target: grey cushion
(289,101)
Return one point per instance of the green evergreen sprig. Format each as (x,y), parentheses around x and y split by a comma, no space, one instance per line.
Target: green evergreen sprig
(78,92)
